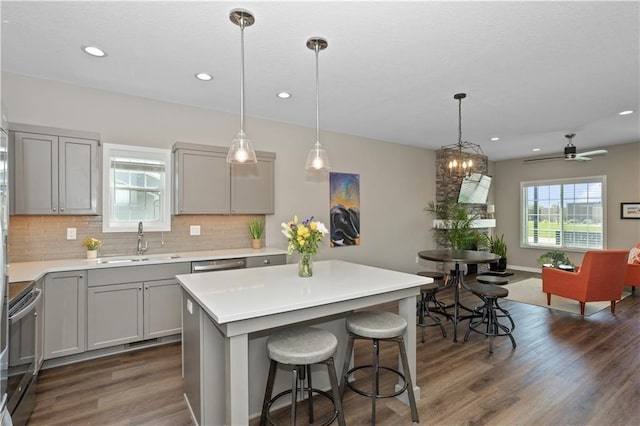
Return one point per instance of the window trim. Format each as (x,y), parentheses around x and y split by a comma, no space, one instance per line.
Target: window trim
(561,181)
(109,150)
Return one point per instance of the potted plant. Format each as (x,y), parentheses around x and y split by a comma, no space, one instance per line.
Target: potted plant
(456,231)
(256,228)
(92,245)
(554,259)
(499,247)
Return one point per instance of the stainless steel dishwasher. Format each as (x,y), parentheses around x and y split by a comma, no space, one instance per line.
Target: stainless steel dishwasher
(218,265)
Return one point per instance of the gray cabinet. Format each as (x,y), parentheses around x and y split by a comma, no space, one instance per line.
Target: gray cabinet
(205,184)
(131,304)
(114,315)
(260,261)
(65,310)
(54,171)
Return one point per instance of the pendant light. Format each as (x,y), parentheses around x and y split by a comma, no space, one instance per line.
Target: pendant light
(461,154)
(317,158)
(241,151)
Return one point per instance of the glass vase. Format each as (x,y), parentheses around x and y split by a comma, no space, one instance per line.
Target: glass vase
(305,265)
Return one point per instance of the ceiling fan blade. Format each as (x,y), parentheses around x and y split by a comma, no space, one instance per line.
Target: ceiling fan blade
(540,159)
(592,153)
(579,157)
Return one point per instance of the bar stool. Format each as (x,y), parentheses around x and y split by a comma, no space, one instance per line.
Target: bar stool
(428,295)
(490,314)
(378,326)
(302,347)
(490,279)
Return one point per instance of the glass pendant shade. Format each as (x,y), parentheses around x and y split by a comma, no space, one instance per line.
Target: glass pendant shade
(317,158)
(241,150)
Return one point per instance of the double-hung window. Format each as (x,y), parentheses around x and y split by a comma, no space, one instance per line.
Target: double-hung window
(136,188)
(564,213)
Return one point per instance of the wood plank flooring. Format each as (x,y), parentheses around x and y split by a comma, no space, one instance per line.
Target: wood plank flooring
(566,370)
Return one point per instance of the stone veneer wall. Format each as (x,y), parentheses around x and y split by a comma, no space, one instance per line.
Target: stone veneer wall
(45,237)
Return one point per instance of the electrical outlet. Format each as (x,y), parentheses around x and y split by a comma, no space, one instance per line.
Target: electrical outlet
(71,233)
(194,230)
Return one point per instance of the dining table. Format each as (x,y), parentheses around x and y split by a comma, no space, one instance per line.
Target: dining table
(458,257)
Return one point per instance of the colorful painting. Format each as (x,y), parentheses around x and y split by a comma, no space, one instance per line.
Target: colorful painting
(345,209)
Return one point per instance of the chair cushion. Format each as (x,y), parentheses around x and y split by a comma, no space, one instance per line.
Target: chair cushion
(376,324)
(301,345)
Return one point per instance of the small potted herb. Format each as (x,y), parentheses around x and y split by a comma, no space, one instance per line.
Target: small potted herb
(554,259)
(499,247)
(256,228)
(92,245)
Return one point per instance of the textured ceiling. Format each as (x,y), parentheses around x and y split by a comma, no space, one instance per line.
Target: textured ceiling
(533,71)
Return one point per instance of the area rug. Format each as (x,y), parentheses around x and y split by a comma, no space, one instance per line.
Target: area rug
(530,291)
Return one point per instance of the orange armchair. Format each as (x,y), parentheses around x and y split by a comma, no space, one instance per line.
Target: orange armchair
(601,277)
(633,276)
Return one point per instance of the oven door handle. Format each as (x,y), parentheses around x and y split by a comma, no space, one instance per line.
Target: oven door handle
(36,295)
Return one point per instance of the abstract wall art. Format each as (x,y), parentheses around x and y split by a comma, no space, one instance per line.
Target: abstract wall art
(345,209)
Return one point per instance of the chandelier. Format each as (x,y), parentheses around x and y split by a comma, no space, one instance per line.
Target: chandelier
(461,155)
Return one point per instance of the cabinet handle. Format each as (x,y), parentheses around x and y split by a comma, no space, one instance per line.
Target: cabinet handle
(54,209)
(267,261)
(146,288)
(139,288)
(61,209)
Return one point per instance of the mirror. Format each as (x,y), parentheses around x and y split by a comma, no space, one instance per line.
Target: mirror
(474,189)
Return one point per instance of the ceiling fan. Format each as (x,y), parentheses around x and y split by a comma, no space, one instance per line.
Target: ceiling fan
(570,153)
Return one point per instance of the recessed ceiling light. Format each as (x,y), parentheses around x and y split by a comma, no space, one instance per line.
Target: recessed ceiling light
(535,149)
(284,95)
(94,51)
(627,112)
(203,76)
(495,139)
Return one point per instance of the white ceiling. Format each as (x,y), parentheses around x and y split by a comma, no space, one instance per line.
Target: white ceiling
(533,71)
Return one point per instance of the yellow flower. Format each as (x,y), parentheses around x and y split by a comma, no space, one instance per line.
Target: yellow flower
(313,226)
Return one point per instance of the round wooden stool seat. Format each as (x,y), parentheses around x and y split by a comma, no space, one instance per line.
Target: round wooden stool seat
(490,279)
(488,290)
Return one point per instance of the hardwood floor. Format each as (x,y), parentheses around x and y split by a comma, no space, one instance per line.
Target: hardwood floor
(566,370)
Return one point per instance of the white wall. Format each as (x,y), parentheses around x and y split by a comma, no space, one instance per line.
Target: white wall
(621,166)
(396,181)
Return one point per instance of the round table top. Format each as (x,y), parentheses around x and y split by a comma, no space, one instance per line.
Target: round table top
(459,256)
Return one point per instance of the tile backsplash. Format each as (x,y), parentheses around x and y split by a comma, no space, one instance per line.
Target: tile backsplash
(45,237)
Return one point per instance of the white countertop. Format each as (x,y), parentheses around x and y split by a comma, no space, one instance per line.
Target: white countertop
(30,271)
(240,294)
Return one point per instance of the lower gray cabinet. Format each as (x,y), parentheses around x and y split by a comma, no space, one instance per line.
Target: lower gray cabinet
(162,315)
(114,315)
(131,304)
(65,313)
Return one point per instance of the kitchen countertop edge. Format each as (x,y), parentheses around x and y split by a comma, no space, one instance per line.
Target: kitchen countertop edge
(32,271)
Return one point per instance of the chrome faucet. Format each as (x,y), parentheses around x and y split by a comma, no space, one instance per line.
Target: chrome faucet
(141,247)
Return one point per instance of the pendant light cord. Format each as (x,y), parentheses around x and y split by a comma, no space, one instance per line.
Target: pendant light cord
(317,49)
(242,25)
(460,123)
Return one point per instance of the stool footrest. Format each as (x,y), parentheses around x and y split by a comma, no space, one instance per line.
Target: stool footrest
(377,395)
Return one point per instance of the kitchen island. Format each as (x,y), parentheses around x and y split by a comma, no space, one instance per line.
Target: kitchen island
(228,315)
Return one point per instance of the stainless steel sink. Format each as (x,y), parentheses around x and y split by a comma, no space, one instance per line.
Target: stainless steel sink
(129,259)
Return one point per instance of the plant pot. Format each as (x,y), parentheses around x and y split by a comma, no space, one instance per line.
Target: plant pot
(305,265)
(502,264)
(256,243)
(92,254)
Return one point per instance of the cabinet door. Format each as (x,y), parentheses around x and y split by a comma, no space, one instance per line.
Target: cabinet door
(65,314)
(114,315)
(162,301)
(78,176)
(252,186)
(36,173)
(201,182)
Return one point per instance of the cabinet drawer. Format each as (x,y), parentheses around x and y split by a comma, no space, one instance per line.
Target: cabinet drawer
(130,274)
(258,261)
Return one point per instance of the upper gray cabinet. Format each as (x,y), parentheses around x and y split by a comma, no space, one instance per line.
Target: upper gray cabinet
(53,171)
(205,184)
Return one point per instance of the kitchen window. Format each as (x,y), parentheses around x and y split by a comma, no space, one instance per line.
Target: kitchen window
(564,213)
(136,188)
